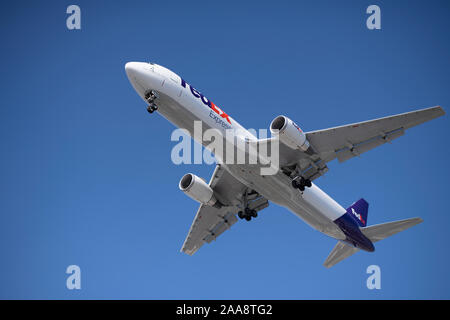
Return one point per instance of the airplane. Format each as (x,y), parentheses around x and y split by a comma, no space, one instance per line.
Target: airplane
(240,189)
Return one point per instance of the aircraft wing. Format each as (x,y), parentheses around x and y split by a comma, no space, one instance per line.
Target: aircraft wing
(211,222)
(351,140)
(348,141)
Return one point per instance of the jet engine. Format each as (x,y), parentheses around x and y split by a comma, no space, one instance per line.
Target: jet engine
(289,133)
(196,188)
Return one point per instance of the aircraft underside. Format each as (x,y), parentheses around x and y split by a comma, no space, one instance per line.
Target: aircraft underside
(242,190)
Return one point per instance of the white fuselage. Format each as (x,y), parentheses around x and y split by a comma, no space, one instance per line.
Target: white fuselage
(181,104)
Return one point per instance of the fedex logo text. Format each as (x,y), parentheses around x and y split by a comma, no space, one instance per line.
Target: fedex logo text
(206,101)
(358,216)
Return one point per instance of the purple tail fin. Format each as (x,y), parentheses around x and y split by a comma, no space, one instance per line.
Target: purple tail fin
(359,211)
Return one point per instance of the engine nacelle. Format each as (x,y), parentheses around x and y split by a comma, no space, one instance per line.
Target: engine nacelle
(197,189)
(289,133)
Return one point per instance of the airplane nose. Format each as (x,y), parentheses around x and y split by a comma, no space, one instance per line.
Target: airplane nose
(137,75)
(132,68)
(141,72)
(143,77)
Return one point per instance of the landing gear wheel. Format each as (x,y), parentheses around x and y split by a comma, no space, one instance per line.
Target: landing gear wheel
(152,108)
(300,183)
(247,214)
(308,183)
(150,96)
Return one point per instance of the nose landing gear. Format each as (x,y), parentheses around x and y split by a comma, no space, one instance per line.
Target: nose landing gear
(152,108)
(150,97)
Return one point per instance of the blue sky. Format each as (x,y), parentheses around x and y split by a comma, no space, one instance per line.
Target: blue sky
(86,176)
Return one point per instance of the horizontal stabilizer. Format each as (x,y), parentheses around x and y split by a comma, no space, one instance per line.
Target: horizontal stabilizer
(381,231)
(340,252)
(375,233)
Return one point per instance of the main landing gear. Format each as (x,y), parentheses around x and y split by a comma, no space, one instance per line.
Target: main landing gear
(150,97)
(252,202)
(300,183)
(248,214)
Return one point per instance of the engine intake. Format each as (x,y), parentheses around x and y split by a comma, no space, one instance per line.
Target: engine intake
(289,133)
(197,189)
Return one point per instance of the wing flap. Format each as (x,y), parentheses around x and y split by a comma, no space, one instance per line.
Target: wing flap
(351,140)
(226,222)
(208,224)
(355,150)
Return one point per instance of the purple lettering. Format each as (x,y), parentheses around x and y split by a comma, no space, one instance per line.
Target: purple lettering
(205,100)
(194,92)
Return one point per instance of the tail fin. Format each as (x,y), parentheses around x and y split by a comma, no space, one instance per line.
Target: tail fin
(382,231)
(359,211)
(375,233)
